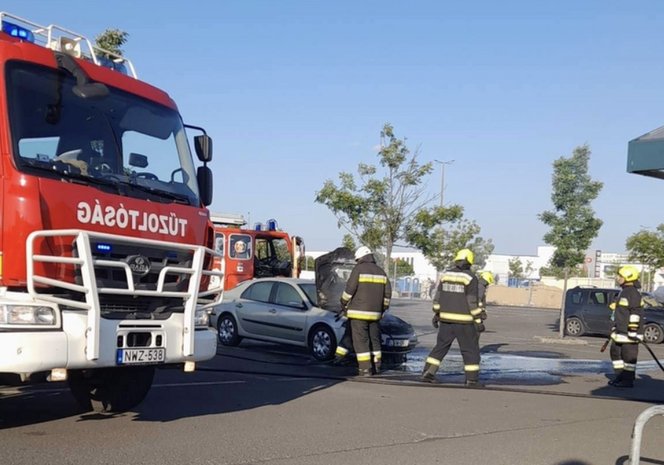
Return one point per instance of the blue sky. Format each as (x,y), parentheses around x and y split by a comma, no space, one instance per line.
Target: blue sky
(293,92)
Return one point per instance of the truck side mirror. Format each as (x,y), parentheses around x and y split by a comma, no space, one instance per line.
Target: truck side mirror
(204,177)
(203,145)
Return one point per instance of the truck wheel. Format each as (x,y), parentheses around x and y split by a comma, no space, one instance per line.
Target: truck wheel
(111,390)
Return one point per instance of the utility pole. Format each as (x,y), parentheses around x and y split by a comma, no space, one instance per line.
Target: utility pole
(442,177)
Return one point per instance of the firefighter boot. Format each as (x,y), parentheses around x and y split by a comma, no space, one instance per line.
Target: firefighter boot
(338,360)
(627,380)
(364,372)
(473,380)
(429,373)
(617,378)
(377,365)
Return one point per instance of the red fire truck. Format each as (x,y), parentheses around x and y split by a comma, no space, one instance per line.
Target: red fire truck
(105,239)
(260,252)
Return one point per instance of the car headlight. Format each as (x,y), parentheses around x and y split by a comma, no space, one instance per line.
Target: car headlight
(27,315)
(201,318)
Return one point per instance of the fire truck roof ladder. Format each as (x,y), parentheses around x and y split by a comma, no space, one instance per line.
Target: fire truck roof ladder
(63,40)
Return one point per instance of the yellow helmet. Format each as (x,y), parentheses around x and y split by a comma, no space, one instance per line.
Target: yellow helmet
(629,273)
(487,276)
(465,254)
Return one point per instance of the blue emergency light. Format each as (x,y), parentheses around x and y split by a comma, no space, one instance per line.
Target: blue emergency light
(258,227)
(17,31)
(272,225)
(103,248)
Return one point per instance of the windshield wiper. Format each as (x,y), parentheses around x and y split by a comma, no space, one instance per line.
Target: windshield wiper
(64,170)
(181,198)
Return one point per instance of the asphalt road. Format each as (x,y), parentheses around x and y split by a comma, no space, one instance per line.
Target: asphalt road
(546,402)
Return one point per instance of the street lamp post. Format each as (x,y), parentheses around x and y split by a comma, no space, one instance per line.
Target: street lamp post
(442,177)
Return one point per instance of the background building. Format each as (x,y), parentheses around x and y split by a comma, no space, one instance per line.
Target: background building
(600,269)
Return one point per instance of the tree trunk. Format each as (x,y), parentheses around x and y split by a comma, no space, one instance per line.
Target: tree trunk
(388,255)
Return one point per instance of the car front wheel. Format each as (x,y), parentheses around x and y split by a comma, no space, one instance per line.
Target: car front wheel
(574,327)
(227,330)
(322,343)
(653,334)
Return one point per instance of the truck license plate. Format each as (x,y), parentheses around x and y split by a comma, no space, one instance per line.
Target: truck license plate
(140,356)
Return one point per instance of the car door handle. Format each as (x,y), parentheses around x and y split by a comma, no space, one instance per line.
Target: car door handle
(238,305)
(272,310)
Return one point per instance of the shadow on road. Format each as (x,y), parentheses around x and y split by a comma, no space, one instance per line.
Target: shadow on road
(222,385)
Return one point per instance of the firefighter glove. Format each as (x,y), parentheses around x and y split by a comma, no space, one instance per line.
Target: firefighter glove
(480,327)
(483,315)
(434,321)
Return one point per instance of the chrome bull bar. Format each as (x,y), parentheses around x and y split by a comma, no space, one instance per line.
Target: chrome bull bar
(193,297)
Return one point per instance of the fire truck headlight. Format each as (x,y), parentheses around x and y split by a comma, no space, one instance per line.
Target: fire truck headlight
(27,315)
(201,318)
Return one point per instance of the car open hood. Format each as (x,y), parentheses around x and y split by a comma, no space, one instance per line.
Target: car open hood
(332,272)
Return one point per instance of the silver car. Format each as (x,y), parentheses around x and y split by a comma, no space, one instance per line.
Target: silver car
(285,310)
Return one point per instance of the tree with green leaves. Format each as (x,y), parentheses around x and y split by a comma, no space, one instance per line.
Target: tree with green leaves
(348,242)
(572,222)
(112,40)
(309,263)
(559,273)
(647,247)
(442,234)
(612,269)
(377,208)
(515,268)
(403,268)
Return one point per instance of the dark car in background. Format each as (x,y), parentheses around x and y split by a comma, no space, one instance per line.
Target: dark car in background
(587,312)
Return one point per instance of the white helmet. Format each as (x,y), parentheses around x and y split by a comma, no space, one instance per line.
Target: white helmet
(361,252)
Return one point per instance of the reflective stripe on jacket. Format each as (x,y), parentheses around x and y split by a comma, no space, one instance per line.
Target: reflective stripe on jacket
(629,311)
(456,299)
(368,291)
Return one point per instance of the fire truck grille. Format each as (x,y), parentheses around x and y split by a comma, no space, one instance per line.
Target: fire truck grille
(146,263)
(143,308)
(136,308)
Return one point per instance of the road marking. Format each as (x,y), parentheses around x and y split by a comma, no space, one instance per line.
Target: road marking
(202,383)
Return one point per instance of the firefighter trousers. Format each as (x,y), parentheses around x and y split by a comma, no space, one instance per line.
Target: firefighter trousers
(346,344)
(624,356)
(469,344)
(366,342)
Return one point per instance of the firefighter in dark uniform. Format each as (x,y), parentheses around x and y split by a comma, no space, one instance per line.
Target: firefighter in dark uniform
(484,280)
(628,327)
(366,297)
(457,316)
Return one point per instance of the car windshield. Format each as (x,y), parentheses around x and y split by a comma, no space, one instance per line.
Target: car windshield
(121,142)
(310,290)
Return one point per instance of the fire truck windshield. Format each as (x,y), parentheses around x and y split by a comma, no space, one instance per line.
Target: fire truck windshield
(122,140)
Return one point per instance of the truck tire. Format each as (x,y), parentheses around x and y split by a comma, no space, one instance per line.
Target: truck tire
(111,390)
